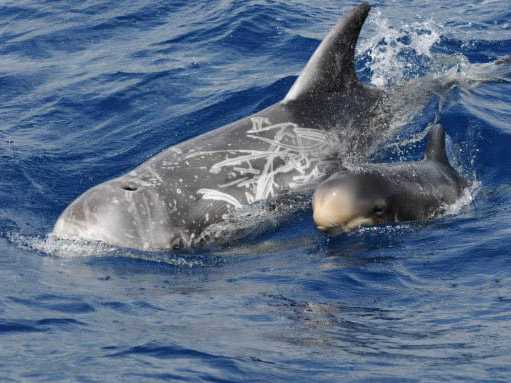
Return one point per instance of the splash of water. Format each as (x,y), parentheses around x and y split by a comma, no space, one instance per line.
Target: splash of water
(464,201)
(393,55)
(66,248)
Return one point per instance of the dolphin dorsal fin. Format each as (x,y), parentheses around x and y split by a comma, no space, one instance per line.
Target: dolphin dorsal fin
(331,68)
(435,150)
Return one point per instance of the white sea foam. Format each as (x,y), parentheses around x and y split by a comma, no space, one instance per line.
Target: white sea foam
(60,247)
(464,201)
(390,50)
(403,53)
(77,248)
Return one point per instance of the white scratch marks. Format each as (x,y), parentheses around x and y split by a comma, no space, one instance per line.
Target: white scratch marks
(288,150)
(216,195)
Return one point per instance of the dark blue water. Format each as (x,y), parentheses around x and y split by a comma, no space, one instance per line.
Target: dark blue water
(90,89)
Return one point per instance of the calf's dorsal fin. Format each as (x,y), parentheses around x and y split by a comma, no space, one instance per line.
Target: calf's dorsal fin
(331,68)
(435,151)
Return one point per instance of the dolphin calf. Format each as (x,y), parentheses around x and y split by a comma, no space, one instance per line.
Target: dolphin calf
(176,198)
(381,193)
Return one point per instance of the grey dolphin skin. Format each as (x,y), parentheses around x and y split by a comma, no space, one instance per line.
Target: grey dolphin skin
(174,199)
(381,193)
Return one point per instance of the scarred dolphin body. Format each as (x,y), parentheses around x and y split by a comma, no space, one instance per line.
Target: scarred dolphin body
(175,198)
(388,193)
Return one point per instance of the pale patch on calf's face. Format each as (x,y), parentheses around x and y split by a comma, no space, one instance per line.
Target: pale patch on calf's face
(332,207)
(336,208)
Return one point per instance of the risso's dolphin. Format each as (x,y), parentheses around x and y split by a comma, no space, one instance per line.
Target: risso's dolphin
(383,193)
(175,198)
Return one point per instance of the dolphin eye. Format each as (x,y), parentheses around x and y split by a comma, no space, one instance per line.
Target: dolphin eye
(379,209)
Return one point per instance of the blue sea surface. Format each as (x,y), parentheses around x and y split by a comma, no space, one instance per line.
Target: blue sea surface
(89,89)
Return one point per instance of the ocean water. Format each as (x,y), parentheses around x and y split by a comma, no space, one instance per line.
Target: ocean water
(90,89)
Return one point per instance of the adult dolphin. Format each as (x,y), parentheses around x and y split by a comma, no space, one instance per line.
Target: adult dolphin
(175,198)
(389,193)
